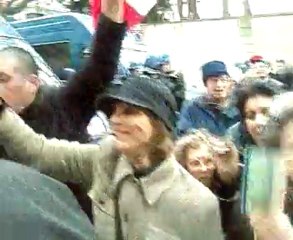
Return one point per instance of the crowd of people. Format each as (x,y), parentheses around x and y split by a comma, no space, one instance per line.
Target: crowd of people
(164,168)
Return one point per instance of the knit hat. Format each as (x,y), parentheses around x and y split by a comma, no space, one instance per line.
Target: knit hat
(256,58)
(134,66)
(144,92)
(213,68)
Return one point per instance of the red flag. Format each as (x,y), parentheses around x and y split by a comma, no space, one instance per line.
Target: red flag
(134,10)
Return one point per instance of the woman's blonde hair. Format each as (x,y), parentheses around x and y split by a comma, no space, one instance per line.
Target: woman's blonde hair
(227,167)
(192,140)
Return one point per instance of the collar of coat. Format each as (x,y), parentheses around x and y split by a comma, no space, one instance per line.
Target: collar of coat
(206,102)
(152,185)
(41,104)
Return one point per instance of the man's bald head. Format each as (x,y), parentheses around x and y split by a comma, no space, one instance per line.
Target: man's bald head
(24,62)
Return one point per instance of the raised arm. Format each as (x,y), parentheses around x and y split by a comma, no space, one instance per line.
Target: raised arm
(185,120)
(78,97)
(228,164)
(63,160)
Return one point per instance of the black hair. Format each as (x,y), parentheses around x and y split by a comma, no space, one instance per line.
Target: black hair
(285,76)
(28,64)
(281,61)
(206,78)
(245,91)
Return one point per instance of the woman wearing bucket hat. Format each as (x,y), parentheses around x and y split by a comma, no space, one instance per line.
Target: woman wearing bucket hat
(138,189)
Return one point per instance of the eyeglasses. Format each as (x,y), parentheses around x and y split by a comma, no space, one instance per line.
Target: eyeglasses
(223,78)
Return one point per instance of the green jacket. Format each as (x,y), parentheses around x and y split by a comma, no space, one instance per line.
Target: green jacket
(167,204)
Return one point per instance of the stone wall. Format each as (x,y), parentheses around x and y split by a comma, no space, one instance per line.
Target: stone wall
(193,43)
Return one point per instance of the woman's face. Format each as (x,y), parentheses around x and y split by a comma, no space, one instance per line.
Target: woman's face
(256,112)
(199,163)
(131,126)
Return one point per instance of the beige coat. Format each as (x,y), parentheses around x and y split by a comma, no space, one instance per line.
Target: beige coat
(168,204)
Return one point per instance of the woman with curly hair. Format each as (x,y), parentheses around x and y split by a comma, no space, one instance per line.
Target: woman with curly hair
(215,162)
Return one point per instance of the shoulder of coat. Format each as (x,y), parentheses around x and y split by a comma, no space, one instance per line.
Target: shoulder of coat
(191,192)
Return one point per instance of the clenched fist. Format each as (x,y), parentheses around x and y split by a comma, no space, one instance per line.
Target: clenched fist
(113,9)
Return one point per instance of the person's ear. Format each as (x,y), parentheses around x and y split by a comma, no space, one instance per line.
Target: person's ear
(35,82)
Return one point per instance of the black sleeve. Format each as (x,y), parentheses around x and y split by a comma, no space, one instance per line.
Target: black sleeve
(79,95)
(180,89)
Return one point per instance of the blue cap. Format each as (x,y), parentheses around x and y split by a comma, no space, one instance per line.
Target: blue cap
(155,62)
(135,65)
(214,68)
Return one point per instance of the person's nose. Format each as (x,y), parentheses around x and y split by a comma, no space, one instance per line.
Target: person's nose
(203,167)
(115,116)
(118,117)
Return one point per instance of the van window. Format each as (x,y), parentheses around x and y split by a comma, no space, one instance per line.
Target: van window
(34,15)
(57,55)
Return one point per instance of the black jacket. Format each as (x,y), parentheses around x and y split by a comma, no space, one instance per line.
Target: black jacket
(174,81)
(36,207)
(234,224)
(176,84)
(65,112)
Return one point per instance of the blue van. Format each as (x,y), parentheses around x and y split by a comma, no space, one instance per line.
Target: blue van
(64,40)
(9,37)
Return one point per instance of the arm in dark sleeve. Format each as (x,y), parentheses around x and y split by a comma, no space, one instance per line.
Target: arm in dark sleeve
(180,91)
(185,120)
(78,97)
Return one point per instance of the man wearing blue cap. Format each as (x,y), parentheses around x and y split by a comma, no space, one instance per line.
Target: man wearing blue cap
(160,67)
(211,111)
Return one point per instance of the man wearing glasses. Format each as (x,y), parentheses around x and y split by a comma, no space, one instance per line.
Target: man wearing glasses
(211,111)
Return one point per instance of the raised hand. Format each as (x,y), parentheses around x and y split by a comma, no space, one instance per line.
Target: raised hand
(113,9)
(226,158)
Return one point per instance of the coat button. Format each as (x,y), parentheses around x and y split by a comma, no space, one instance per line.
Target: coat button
(126,217)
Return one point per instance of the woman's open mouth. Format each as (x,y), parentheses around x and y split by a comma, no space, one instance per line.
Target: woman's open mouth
(120,132)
